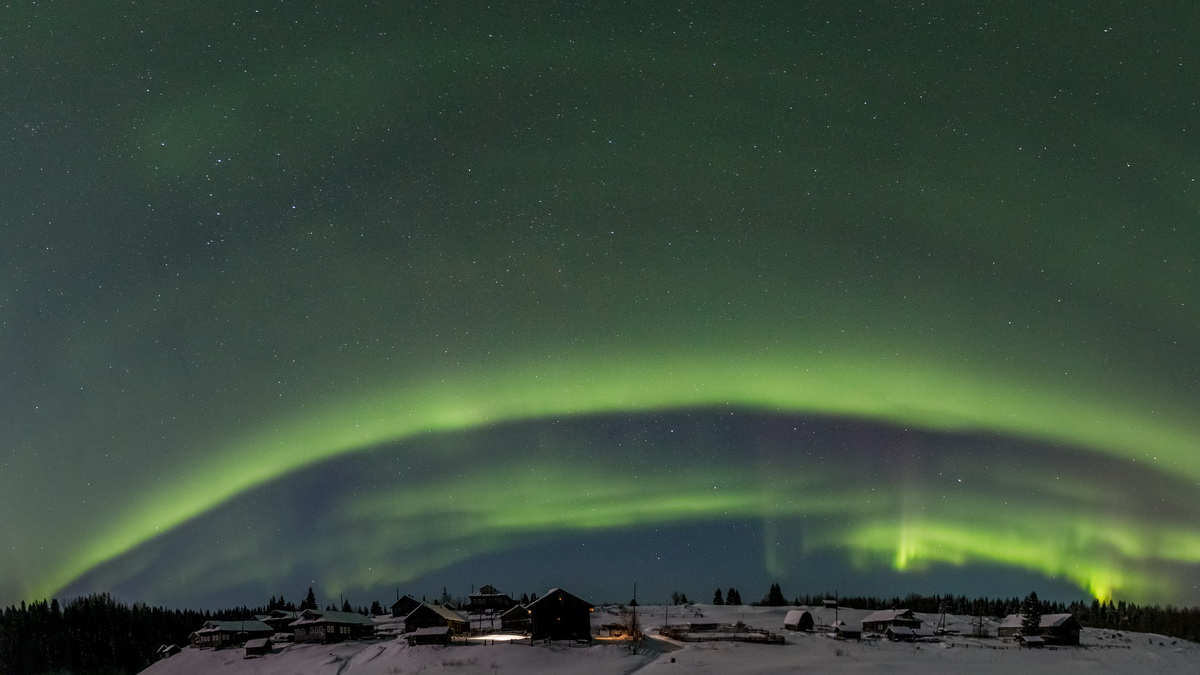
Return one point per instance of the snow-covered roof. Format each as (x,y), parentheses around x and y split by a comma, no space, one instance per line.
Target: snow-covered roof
(888,615)
(553,592)
(1048,620)
(314,616)
(432,630)
(235,627)
(444,612)
(514,611)
(795,615)
(258,643)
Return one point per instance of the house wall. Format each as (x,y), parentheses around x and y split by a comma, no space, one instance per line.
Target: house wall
(566,623)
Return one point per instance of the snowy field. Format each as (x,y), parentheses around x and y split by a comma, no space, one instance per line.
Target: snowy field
(1102,651)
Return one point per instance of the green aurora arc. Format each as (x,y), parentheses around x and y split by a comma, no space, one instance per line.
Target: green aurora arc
(907,395)
(242,241)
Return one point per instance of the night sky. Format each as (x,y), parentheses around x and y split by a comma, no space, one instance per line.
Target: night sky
(869,296)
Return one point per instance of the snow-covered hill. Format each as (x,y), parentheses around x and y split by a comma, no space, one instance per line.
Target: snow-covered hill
(1101,652)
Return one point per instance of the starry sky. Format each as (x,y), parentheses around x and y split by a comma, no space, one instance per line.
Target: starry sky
(874,296)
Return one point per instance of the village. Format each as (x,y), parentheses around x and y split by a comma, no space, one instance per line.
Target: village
(490,615)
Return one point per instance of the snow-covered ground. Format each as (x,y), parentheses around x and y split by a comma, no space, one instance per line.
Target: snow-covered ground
(1102,651)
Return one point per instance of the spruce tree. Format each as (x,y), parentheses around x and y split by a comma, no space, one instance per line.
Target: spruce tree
(310,601)
(718,599)
(775,597)
(1031,615)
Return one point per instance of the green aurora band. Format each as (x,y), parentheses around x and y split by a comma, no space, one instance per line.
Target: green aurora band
(905,394)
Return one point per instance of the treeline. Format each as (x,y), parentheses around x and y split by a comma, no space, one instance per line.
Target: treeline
(96,634)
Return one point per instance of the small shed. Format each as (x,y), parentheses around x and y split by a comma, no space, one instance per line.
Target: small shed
(1031,641)
(258,647)
(799,619)
(847,631)
(433,635)
(167,651)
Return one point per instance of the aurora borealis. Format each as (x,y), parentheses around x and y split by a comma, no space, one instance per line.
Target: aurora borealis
(880,296)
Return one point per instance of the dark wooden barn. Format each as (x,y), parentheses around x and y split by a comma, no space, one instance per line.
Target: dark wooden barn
(558,615)
(404,606)
(799,619)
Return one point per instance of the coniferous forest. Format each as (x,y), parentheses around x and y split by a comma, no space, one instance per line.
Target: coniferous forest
(98,635)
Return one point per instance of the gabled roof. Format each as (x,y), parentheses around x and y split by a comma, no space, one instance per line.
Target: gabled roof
(557,593)
(258,643)
(889,615)
(515,610)
(444,612)
(406,600)
(796,614)
(235,627)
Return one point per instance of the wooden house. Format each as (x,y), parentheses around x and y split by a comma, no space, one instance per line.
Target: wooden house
(558,615)
(489,599)
(324,626)
(1055,629)
(222,634)
(879,622)
(799,619)
(281,620)
(404,606)
(432,616)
